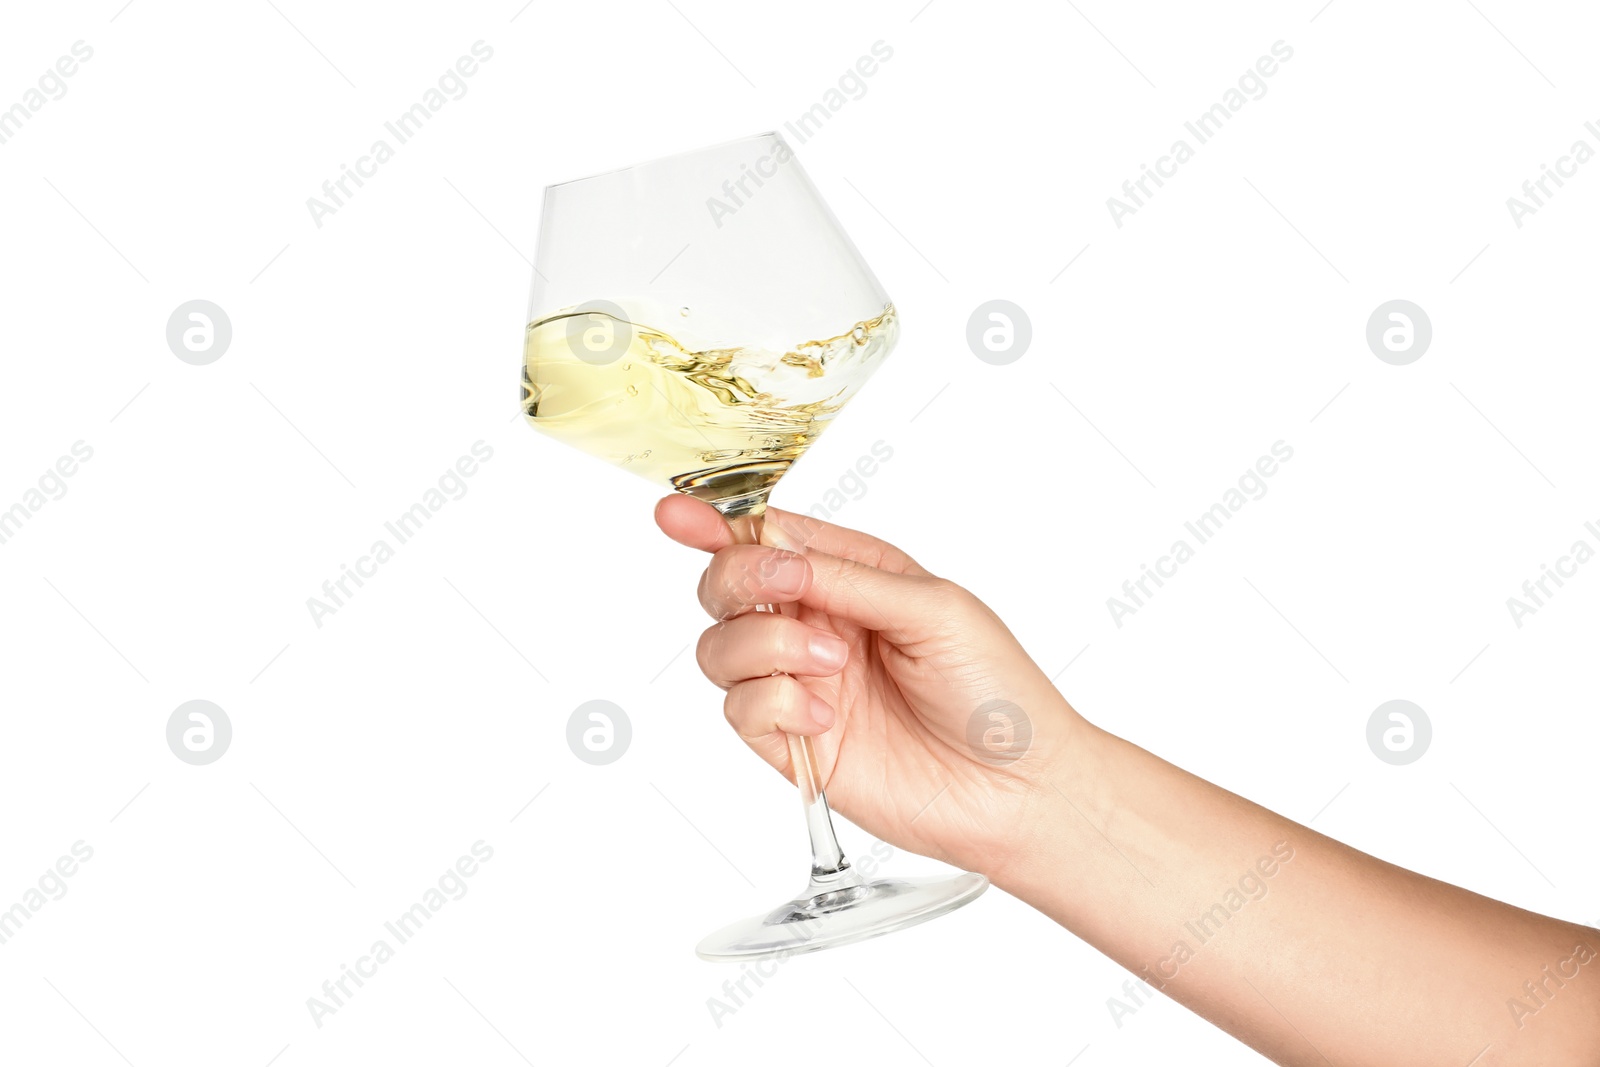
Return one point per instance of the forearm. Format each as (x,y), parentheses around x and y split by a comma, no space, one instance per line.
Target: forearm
(1302,947)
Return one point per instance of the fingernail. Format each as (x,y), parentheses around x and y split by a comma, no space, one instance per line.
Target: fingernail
(821,712)
(828,650)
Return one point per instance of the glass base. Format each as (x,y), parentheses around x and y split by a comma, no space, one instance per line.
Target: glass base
(839,909)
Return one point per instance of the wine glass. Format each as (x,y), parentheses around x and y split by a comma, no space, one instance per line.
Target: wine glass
(700,320)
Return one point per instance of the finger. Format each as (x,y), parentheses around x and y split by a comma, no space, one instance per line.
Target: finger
(761,644)
(743,576)
(693,522)
(764,710)
(905,608)
(899,598)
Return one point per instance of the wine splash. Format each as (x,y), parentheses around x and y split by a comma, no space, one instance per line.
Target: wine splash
(719,423)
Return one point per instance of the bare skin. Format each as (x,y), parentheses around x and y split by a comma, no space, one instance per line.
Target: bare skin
(1307,950)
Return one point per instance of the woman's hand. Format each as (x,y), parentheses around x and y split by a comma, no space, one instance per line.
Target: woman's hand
(1304,948)
(933,728)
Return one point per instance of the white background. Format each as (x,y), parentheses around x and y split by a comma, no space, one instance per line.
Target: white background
(370,353)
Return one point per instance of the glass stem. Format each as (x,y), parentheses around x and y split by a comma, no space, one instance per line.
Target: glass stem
(827,859)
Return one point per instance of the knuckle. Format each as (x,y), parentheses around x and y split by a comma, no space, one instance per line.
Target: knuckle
(711,594)
(754,568)
(703,648)
(732,706)
(777,702)
(733,581)
(792,699)
(748,703)
(786,644)
(737,710)
(950,594)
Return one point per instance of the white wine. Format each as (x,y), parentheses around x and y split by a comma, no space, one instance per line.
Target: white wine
(721,423)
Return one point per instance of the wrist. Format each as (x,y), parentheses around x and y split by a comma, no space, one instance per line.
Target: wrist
(1055,768)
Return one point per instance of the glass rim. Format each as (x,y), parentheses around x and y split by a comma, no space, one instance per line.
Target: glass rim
(773,134)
